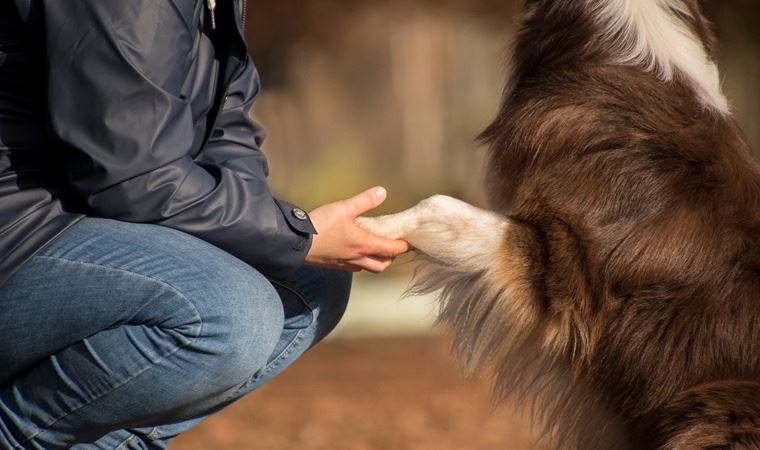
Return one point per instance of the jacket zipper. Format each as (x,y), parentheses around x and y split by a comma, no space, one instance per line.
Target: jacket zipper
(243,14)
(211,4)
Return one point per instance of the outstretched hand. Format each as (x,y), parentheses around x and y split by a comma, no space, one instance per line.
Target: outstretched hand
(341,244)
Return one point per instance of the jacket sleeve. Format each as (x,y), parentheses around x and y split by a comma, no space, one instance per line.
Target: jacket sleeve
(115,76)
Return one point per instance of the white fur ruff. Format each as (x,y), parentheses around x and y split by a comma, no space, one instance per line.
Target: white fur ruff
(447,231)
(461,247)
(649,34)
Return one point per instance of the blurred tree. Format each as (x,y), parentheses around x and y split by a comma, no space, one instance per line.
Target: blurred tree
(275,26)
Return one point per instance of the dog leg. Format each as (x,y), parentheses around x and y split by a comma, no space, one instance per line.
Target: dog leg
(448,231)
(489,271)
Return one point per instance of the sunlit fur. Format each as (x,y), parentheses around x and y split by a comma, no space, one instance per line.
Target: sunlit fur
(652,34)
(616,289)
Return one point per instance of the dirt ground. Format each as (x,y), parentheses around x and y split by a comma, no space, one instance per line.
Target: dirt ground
(368,394)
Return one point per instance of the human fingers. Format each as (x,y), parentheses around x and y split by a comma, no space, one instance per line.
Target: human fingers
(378,246)
(367,200)
(372,264)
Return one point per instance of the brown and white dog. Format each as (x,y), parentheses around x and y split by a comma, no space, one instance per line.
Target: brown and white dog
(617,288)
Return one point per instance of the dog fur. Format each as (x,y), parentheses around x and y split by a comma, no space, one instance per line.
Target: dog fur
(616,289)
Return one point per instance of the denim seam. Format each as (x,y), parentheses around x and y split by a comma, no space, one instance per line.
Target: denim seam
(126,442)
(276,362)
(153,435)
(125,382)
(98,397)
(296,340)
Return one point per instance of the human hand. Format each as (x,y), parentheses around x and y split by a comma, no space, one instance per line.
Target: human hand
(341,244)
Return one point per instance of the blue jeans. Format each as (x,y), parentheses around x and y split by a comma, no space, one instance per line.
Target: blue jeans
(122,335)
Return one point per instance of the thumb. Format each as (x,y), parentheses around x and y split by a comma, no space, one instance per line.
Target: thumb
(369,199)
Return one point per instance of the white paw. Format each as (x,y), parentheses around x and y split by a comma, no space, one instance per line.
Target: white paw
(391,227)
(443,228)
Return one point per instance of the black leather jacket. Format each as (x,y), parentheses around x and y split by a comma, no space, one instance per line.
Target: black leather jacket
(137,111)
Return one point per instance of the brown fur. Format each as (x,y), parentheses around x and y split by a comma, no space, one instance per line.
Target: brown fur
(626,307)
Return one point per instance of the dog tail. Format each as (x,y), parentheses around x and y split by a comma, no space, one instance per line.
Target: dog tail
(722,414)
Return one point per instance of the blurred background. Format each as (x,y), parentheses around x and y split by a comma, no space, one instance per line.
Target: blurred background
(365,92)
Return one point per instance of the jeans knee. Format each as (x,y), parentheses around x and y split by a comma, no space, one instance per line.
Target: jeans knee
(241,327)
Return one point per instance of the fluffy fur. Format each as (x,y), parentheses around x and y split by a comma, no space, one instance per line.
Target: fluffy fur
(655,35)
(617,288)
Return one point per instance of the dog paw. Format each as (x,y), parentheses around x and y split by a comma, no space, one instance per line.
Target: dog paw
(443,228)
(391,226)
